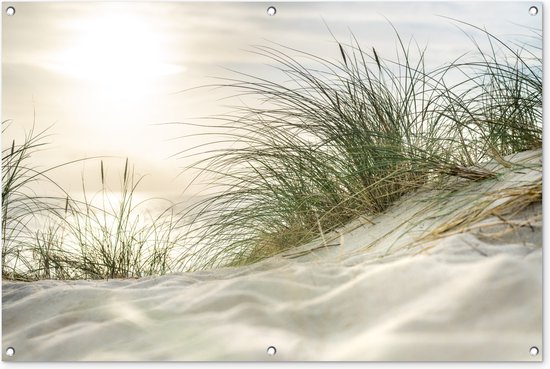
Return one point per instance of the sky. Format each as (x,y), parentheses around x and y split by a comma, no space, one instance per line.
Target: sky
(106,76)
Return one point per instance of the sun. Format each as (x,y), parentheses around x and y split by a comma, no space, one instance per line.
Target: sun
(120,55)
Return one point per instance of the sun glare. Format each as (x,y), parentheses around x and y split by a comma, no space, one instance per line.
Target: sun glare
(122,55)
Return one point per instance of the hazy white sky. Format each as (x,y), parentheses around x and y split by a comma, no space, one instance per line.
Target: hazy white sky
(106,73)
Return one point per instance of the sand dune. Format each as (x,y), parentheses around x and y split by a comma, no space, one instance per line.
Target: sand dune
(404,285)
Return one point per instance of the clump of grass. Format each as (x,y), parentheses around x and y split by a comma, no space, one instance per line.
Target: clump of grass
(21,206)
(107,235)
(503,102)
(349,137)
(118,239)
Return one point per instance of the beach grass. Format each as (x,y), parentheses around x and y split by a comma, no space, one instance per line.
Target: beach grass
(118,238)
(342,138)
(21,206)
(348,137)
(100,236)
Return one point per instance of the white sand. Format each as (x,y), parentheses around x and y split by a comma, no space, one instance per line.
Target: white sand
(471,295)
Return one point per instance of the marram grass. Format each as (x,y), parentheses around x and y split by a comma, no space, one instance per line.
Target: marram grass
(349,137)
(60,237)
(339,140)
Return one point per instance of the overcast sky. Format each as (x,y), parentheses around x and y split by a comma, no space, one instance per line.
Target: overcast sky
(106,73)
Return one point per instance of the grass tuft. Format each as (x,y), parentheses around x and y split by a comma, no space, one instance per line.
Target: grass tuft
(349,137)
(103,235)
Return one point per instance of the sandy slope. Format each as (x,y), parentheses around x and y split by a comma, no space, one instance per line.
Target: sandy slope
(377,290)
